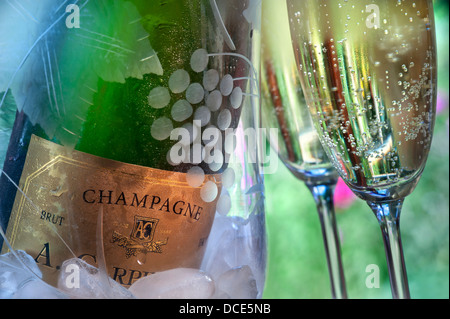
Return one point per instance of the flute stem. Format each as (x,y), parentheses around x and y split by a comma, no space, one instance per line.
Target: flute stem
(323,195)
(388,215)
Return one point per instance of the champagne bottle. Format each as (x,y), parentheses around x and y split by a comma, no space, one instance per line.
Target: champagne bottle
(99,98)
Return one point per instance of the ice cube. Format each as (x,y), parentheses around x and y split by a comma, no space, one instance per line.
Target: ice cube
(214,262)
(81,280)
(179,283)
(37,289)
(232,244)
(15,272)
(238,282)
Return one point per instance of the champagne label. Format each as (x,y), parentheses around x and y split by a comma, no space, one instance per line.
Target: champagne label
(146,220)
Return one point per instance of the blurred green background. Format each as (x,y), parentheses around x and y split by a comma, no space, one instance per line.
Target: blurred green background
(296,259)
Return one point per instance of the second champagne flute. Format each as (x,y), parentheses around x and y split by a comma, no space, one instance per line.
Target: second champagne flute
(297,143)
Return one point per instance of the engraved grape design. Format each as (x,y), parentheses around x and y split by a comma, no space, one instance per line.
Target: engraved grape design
(210,105)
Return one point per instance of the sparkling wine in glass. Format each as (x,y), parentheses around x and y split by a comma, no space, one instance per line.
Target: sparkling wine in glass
(297,143)
(368,71)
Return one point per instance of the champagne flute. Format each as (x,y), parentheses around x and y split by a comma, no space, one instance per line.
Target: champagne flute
(369,76)
(297,143)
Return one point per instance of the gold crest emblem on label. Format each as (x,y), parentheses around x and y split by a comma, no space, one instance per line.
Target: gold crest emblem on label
(152,219)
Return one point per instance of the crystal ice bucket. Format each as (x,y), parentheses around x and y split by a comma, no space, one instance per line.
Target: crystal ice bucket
(131,163)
